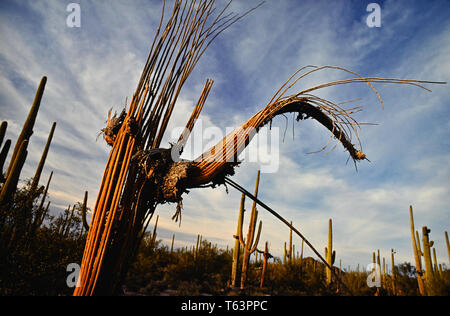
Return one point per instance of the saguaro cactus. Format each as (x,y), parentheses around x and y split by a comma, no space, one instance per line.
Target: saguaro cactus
(10,185)
(40,214)
(394,290)
(40,167)
(330,254)
(267,256)
(84,212)
(436,269)
(288,253)
(427,244)
(448,246)
(3,155)
(197,247)
(171,245)
(237,244)
(27,129)
(4,151)
(3,127)
(153,238)
(417,254)
(248,245)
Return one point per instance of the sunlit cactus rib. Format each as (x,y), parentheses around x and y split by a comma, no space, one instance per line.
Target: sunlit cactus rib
(126,193)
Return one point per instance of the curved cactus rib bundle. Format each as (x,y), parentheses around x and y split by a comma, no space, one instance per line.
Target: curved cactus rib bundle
(337,119)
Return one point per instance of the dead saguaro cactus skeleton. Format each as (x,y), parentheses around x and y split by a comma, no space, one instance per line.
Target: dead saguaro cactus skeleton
(139,174)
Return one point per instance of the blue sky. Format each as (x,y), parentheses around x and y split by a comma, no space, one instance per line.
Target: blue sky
(95,67)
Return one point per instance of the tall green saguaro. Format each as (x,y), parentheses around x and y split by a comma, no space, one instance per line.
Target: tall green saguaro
(417,254)
(40,167)
(84,211)
(27,129)
(237,244)
(394,289)
(288,253)
(248,245)
(4,150)
(3,127)
(330,254)
(427,244)
(448,247)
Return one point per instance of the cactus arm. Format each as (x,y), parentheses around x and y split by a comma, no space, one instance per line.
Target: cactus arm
(419,249)
(258,235)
